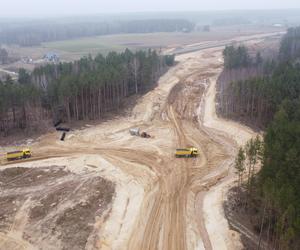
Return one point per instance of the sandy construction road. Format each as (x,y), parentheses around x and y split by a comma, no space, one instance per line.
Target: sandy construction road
(160,202)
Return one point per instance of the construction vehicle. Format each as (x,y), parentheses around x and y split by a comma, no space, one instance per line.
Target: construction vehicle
(186,152)
(145,135)
(136,132)
(16,155)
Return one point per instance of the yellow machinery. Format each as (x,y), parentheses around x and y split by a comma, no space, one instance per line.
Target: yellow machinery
(186,152)
(16,155)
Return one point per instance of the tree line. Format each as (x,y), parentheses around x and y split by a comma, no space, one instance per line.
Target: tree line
(3,56)
(30,34)
(290,45)
(80,90)
(255,100)
(250,89)
(238,57)
(273,193)
(268,170)
(6,57)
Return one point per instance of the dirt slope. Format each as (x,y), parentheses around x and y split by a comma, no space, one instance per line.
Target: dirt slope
(159,202)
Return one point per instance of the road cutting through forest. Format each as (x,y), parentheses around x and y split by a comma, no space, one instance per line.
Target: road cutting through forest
(160,202)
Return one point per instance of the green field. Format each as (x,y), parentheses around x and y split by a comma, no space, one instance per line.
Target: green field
(104,44)
(85,45)
(70,50)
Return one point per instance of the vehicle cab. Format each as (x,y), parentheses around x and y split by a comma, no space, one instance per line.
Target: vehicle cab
(194,151)
(26,153)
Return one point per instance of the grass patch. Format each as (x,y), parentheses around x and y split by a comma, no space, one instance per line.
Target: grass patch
(89,45)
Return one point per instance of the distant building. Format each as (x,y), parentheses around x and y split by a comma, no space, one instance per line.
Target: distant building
(27,60)
(51,57)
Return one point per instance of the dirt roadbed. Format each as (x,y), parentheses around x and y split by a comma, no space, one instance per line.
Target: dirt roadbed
(110,190)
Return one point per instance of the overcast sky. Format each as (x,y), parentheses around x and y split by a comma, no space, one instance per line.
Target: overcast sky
(82,7)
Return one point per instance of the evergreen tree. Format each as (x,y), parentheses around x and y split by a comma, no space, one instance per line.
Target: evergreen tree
(84,89)
(240,166)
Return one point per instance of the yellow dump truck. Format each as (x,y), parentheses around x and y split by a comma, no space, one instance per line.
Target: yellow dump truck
(16,155)
(186,152)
